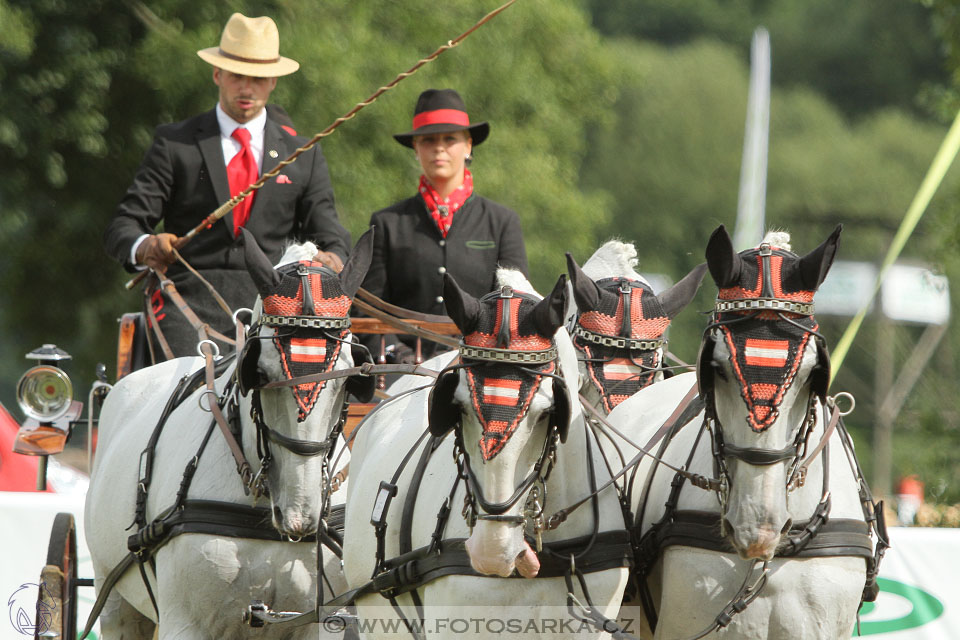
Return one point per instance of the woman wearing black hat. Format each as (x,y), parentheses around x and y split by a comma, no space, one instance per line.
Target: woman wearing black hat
(446,227)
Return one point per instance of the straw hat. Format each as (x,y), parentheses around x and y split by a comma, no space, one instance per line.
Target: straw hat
(442,111)
(250,47)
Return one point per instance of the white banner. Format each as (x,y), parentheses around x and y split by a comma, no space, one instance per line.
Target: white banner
(919,587)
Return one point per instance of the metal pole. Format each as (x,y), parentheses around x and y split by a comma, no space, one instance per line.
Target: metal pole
(883,430)
(42,473)
(751,203)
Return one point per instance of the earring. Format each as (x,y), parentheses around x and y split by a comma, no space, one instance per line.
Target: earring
(467,159)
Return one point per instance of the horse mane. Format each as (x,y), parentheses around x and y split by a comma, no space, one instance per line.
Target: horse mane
(778,238)
(295,252)
(613,259)
(513,278)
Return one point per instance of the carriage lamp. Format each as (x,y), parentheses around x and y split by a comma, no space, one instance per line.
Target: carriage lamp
(45,395)
(45,392)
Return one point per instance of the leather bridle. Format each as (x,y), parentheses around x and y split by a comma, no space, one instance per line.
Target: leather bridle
(475,497)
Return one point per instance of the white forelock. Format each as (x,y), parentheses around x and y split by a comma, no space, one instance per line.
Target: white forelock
(298,252)
(780,239)
(614,259)
(515,280)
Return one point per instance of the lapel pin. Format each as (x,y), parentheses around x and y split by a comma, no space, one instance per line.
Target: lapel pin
(273,153)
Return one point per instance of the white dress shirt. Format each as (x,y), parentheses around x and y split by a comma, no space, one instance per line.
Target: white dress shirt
(231,147)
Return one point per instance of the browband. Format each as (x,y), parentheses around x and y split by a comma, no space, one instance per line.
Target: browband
(620,343)
(307,322)
(492,354)
(773,304)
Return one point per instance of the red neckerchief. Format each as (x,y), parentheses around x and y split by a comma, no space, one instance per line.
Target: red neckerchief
(456,199)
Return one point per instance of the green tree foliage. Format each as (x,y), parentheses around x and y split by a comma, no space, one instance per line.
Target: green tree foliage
(85,83)
(671,161)
(861,55)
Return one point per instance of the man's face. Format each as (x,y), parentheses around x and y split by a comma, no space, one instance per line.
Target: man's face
(242,97)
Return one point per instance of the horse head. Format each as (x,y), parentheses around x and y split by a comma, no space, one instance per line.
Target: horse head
(508,403)
(620,325)
(300,327)
(761,367)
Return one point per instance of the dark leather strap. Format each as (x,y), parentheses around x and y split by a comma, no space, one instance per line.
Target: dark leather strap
(700,529)
(405,326)
(399,312)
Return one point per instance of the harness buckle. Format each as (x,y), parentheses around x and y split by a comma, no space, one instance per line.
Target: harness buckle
(382,504)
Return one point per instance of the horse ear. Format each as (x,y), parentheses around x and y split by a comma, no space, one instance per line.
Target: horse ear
(264,276)
(462,307)
(356,267)
(585,290)
(548,314)
(814,266)
(679,295)
(722,259)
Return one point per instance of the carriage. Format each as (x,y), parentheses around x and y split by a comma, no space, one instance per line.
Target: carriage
(591,585)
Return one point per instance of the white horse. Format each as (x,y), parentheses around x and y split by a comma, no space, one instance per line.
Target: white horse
(202,581)
(619,324)
(763,373)
(509,411)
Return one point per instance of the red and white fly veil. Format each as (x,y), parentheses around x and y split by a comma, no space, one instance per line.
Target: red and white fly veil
(764,313)
(620,328)
(507,348)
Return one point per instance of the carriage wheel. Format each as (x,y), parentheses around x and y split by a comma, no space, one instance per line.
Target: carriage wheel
(57,601)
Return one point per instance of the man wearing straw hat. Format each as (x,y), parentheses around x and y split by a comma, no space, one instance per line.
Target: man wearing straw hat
(196,165)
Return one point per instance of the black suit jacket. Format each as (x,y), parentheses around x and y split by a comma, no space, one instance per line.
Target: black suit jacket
(410,256)
(183,178)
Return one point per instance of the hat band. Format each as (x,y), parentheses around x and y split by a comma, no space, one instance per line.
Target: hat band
(441,116)
(253,60)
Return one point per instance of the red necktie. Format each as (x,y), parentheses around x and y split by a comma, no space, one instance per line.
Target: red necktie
(241,173)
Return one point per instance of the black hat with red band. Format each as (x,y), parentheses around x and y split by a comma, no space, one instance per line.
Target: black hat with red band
(442,111)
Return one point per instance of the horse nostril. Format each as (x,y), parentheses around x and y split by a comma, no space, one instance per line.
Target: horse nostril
(277,514)
(786,526)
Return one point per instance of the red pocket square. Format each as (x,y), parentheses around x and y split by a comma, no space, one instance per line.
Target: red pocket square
(282,179)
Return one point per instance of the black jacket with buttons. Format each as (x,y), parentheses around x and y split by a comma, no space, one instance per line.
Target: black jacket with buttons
(410,256)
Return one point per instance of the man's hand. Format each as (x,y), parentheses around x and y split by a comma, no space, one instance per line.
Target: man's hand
(156,251)
(329,259)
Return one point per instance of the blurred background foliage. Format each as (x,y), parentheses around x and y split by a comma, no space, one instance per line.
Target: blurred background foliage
(609,118)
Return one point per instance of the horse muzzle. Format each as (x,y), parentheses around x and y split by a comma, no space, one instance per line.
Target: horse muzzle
(294,524)
(498,549)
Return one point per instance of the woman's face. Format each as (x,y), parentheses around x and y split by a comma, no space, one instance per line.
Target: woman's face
(442,155)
